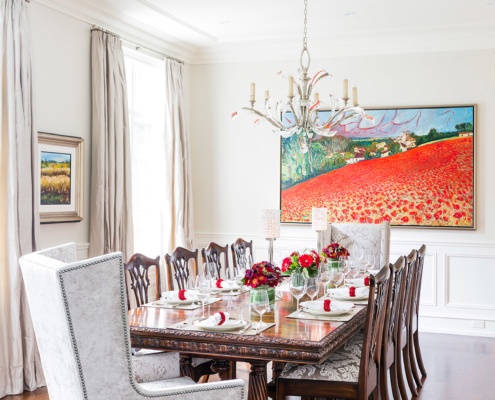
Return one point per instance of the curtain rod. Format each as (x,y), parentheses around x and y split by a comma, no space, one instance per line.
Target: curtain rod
(138,46)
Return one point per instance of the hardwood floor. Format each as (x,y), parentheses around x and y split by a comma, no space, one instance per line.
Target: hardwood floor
(459,367)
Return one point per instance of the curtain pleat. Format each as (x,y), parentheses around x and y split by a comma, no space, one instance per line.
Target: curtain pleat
(178,179)
(20,366)
(111,227)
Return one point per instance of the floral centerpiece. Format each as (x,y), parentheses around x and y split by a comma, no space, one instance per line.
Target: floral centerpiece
(263,275)
(334,251)
(307,262)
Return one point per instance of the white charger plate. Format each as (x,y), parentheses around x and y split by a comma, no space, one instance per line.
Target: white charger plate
(230,325)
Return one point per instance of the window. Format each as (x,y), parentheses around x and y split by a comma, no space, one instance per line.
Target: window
(146,99)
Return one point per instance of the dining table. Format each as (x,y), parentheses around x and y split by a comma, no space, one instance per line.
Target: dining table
(295,340)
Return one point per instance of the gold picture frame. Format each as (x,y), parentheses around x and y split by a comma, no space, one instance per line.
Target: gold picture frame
(61,178)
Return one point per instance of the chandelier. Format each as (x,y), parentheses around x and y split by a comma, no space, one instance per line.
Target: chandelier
(309,118)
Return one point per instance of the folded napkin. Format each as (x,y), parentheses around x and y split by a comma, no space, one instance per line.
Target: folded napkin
(358,292)
(219,318)
(179,295)
(221,284)
(334,305)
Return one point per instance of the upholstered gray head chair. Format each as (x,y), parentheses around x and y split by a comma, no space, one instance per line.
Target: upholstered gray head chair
(374,238)
(79,312)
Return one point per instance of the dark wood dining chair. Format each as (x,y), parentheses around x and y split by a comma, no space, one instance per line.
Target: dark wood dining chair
(352,372)
(182,266)
(241,251)
(402,353)
(415,356)
(137,271)
(396,293)
(218,258)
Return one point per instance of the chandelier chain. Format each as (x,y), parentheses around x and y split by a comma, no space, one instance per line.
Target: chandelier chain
(305,39)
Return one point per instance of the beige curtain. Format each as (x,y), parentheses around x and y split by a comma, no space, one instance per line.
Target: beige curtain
(178,179)
(111,227)
(20,367)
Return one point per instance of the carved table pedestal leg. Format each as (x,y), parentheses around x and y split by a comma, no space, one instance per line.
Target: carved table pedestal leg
(257,380)
(222,368)
(186,368)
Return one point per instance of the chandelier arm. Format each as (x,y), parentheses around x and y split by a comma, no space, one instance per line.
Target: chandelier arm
(268,118)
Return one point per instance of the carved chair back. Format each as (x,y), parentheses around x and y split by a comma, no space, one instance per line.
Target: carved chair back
(137,270)
(417,279)
(217,257)
(178,267)
(242,252)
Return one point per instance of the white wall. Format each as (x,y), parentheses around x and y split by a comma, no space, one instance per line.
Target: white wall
(236,168)
(61,47)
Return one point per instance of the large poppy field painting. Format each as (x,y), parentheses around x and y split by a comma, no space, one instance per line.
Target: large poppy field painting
(413,167)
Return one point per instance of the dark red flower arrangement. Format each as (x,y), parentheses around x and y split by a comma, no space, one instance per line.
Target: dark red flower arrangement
(262,274)
(334,251)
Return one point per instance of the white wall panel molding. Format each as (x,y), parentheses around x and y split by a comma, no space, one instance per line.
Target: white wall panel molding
(82,251)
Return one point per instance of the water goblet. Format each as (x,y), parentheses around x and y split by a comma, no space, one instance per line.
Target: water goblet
(203,290)
(312,289)
(260,304)
(231,279)
(336,277)
(344,266)
(297,286)
(324,275)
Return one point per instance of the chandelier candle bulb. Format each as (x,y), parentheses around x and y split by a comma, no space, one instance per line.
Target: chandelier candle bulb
(317,97)
(291,86)
(253,91)
(267,95)
(354,96)
(346,89)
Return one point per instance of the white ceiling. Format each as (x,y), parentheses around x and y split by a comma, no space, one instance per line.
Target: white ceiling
(201,31)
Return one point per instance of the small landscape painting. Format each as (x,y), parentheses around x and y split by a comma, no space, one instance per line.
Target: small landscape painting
(55,178)
(413,167)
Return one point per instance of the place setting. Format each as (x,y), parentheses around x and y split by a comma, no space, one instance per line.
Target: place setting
(356,295)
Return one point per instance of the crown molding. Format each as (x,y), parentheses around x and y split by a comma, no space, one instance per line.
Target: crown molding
(94,13)
(455,38)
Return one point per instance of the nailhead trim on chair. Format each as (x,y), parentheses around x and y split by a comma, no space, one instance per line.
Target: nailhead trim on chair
(197,388)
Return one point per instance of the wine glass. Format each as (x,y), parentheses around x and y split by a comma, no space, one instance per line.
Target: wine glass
(260,304)
(344,266)
(203,290)
(336,277)
(312,289)
(324,275)
(298,285)
(231,279)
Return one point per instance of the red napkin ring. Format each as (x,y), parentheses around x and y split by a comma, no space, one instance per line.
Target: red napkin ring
(219,283)
(352,291)
(222,318)
(182,294)
(326,304)
(366,281)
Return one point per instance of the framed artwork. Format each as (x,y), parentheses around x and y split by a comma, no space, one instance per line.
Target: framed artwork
(61,178)
(412,166)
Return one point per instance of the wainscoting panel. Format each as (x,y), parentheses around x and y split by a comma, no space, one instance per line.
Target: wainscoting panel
(457,294)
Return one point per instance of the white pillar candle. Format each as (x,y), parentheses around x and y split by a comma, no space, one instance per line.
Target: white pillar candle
(252,97)
(346,89)
(354,96)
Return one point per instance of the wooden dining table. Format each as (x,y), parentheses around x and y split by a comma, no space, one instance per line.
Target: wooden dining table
(289,340)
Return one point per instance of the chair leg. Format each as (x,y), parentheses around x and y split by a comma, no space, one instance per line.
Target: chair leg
(384,382)
(400,376)
(414,369)
(419,357)
(408,370)
(393,381)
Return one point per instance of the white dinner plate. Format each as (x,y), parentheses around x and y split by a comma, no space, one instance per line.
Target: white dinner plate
(316,308)
(230,325)
(355,282)
(347,297)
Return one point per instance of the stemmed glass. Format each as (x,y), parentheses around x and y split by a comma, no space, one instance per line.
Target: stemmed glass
(231,279)
(312,289)
(298,285)
(203,290)
(337,277)
(260,305)
(344,266)
(324,275)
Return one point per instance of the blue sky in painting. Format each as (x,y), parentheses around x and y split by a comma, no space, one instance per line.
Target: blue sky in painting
(58,157)
(391,123)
